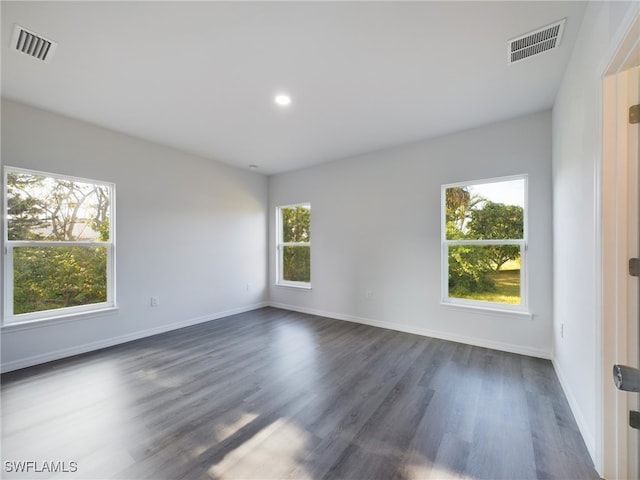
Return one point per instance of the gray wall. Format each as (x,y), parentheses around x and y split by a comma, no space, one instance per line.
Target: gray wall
(376,227)
(188,229)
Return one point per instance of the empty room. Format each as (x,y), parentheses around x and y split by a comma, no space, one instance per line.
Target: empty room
(309,240)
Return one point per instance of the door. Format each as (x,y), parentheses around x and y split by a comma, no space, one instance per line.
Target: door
(627,375)
(620,228)
(633,155)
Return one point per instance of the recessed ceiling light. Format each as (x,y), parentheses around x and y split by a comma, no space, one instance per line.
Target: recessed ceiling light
(282,99)
(253,167)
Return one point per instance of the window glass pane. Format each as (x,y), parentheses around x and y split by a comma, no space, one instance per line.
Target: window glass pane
(46,208)
(46,278)
(296,264)
(296,224)
(489,273)
(488,211)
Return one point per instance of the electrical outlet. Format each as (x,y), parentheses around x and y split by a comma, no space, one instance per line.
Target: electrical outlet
(368,294)
(155,300)
(248,287)
(562,330)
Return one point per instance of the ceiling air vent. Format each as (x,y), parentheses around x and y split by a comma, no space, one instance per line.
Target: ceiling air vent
(31,44)
(536,42)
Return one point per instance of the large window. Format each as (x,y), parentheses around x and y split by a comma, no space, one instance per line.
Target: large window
(59,244)
(484,243)
(294,245)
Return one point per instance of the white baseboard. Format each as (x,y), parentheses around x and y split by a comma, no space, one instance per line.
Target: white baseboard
(110,342)
(587,434)
(88,347)
(478,342)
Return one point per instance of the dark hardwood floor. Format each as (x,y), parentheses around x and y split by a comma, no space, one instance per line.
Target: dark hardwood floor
(276,394)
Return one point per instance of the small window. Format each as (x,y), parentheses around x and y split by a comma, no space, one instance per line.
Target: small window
(294,245)
(59,244)
(484,243)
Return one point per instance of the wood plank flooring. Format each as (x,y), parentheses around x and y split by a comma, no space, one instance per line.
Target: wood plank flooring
(273,394)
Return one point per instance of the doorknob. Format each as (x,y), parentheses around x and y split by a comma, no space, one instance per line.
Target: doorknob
(626,378)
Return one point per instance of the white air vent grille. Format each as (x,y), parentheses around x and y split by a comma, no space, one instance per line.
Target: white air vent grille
(31,44)
(536,42)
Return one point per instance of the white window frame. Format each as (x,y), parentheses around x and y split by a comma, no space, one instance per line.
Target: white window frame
(446,300)
(280,244)
(9,318)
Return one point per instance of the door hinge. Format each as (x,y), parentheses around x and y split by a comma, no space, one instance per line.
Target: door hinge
(634,419)
(634,267)
(634,114)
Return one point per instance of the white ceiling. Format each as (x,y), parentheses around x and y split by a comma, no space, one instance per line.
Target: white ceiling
(201,76)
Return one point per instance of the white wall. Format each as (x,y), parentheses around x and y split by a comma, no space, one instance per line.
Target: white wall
(188,229)
(577,152)
(376,226)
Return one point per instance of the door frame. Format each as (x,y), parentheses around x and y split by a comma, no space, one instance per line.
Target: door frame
(613,229)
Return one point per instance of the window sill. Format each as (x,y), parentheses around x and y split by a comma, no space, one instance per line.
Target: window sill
(57,319)
(295,286)
(479,310)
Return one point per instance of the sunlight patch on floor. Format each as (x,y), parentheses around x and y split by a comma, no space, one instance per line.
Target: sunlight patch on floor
(430,470)
(225,431)
(271,453)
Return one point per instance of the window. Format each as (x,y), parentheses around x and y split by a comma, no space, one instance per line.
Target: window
(59,244)
(294,245)
(484,243)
